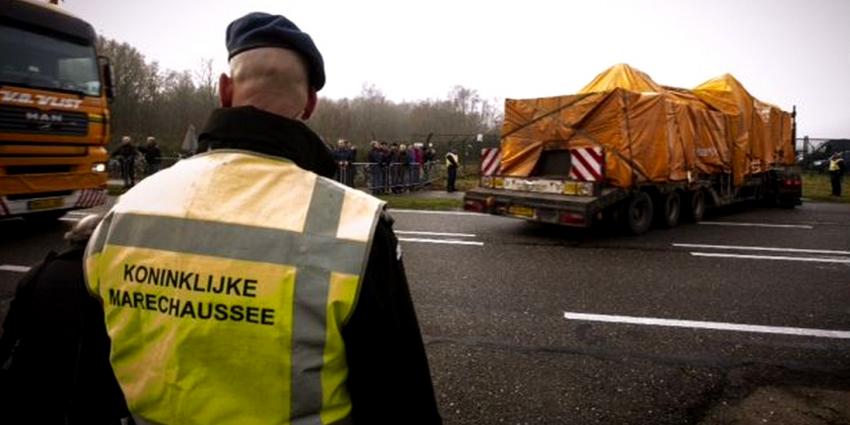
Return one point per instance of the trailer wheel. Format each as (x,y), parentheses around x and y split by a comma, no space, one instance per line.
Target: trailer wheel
(695,206)
(669,209)
(639,213)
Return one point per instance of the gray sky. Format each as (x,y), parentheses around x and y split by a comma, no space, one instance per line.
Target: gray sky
(785,52)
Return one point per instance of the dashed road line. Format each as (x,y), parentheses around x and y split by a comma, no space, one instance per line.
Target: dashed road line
(719,326)
(772,257)
(14,268)
(736,223)
(442,241)
(417,232)
(761,248)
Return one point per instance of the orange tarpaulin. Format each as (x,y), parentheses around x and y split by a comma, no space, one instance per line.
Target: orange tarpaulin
(650,133)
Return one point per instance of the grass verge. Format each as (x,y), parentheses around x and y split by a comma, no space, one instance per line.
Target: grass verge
(414,203)
(818,188)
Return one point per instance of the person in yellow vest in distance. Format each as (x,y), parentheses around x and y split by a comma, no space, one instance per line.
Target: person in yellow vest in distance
(243,285)
(836,172)
(451,170)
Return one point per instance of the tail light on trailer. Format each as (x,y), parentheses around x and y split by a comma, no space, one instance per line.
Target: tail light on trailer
(572,218)
(474,206)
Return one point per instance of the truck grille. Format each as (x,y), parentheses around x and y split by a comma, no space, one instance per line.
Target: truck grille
(33,121)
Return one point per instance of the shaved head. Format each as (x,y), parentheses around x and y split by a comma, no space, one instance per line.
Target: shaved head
(272,79)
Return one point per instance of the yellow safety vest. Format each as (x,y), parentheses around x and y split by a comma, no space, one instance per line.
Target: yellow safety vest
(226,280)
(453,156)
(834,164)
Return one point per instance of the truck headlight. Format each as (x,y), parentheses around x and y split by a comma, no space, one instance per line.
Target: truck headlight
(98,167)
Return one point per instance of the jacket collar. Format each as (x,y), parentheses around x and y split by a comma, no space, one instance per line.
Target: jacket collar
(255,130)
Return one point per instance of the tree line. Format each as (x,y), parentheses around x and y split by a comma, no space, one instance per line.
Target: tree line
(152,101)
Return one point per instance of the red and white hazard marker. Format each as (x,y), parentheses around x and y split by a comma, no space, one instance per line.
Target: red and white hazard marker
(491,158)
(587,164)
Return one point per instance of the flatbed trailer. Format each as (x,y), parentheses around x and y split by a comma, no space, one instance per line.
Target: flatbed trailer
(544,199)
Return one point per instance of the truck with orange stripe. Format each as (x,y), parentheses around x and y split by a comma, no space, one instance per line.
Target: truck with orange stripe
(635,152)
(54,112)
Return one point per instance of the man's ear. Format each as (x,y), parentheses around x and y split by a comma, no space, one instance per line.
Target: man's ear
(312,101)
(225,90)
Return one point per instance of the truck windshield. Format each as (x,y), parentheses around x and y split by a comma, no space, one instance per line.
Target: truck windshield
(39,61)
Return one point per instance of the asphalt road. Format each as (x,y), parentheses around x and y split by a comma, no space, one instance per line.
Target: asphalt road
(532,324)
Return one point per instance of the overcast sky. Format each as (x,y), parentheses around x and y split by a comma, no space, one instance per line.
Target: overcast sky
(786,52)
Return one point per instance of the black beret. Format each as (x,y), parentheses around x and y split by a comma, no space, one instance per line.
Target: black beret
(259,29)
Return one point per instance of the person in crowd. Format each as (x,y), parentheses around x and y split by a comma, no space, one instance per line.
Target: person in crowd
(153,156)
(416,165)
(429,156)
(352,159)
(397,182)
(404,166)
(386,159)
(375,157)
(294,306)
(836,172)
(55,343)
(126,155)
(451,170)
(342,156)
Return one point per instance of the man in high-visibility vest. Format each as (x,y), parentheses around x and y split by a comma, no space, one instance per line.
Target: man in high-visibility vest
(451,170)
(836,171)
(245,286)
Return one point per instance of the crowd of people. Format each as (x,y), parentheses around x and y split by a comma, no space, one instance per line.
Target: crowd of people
(389,167)
(127,154)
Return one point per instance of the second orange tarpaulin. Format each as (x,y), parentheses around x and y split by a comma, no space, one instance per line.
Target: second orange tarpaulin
(650,133)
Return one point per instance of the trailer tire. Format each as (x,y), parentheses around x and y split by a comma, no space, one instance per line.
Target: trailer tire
(639,213)
(694,206)
(669,209)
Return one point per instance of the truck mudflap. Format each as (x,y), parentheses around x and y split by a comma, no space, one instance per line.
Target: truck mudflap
(12,205)
(568,210)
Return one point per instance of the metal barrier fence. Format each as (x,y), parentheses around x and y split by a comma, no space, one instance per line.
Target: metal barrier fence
(373,177)
(389,178)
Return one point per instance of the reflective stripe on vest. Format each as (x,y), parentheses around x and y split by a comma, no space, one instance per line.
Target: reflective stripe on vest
(453,156)
(226,280)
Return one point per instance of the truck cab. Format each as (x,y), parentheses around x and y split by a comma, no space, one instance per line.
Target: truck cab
(54,116)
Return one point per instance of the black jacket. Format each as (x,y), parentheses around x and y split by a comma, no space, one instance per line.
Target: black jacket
(56,338)
(389,380)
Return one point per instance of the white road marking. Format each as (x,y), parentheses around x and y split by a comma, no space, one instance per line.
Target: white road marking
(720,326)
(442,241)
(761,248)
(735,223)
(78,213)
(416,232)
(773,257)
(393,211)
(74,219)
(13,268)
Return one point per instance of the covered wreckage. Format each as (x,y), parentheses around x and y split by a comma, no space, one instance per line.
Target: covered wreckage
(634,151)
(650,133)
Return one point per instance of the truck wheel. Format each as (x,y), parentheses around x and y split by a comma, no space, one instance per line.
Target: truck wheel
(639,213)
(669,209)
(694,206)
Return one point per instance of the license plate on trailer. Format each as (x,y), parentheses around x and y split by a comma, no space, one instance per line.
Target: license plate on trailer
(520,211)
(45,204)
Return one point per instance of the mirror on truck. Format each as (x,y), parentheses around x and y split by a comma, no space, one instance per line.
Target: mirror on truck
(108,76)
